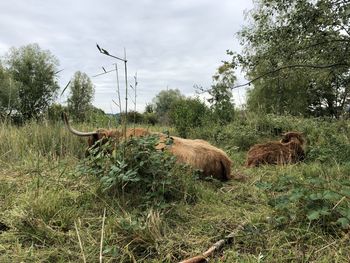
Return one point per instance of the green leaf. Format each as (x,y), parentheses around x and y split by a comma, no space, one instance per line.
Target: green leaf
(329,195)
(346,192)
(325,211)
(345,212)
(316,196)
(296,196)
(313,215)
(343,222)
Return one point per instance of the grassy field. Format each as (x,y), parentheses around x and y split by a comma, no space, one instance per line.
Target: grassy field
(52,212)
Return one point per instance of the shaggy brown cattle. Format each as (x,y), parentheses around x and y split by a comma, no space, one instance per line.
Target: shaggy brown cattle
(103,135)
(201,155)
(289,150)
(197,153)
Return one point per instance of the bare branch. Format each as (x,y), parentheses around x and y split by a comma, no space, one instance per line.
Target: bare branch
(289,67)
(215,247)
(103,72)
(80,243)
(105,52)
(65,88)
(321,43)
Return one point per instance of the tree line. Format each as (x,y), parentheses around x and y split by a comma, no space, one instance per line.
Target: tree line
(29,86)
(296,57)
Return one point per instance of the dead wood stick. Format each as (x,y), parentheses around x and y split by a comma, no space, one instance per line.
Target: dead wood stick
(215,247)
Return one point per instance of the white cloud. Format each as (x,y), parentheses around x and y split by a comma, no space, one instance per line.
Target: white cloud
(169,43)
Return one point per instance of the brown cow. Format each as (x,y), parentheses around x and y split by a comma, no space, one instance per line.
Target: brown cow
(103,135)
(289,150)
(201,155)
(197,153)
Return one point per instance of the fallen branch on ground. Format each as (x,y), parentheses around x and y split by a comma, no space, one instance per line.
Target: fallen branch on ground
(217,246)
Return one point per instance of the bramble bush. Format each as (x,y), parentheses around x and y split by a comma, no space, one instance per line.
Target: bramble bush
(137,173)
(315,195)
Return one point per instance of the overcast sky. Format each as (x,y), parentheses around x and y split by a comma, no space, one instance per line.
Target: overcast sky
(170,44)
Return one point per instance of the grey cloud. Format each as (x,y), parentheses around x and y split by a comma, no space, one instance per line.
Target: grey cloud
(169,43)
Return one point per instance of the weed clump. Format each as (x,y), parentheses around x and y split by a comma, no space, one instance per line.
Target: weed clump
(137,173)
(313,195)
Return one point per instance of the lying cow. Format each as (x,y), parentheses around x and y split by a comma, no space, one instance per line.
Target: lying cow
(201,155)
(197,153)
(104,134)
(289,150)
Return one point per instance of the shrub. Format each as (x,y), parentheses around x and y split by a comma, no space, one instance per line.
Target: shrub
(186,114)
(150,118)
(135,171)
(315,195)
(54,112)
(131,117)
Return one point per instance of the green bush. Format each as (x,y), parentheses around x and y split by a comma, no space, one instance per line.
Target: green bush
(150,118)
(54,112)
(328,141)
(242,137)
(315,195)
(186,114)
(135,171)
(131,117)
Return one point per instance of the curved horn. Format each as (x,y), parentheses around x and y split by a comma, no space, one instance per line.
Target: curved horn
(79,133)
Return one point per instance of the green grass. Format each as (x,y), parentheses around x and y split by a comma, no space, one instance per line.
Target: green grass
(46,202)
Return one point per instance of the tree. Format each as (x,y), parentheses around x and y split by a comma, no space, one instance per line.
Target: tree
(149,108)
(54,112)
(163,102)
(149,116)
(297,55)
(131,117)
(221,105)
(186,114)
(81,95)
(35,72)
(9,88)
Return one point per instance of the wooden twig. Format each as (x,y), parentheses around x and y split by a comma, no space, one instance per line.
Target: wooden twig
(103,73)
(215,247)
(340,64)
(330,244)
(341,200)
(102,231)
(80,244)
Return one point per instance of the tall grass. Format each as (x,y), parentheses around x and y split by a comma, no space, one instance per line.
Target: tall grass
(44,141)
(35,140)
(45,203)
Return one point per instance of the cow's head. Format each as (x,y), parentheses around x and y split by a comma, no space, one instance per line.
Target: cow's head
(293,136)
(101,135)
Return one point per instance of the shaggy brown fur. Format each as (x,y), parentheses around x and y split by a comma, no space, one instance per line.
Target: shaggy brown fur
(200,155)
(103,136)
(289,150)
(296,136)
(116,134)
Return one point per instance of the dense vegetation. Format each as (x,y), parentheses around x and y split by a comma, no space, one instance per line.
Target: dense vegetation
(297,55)
(289,213)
